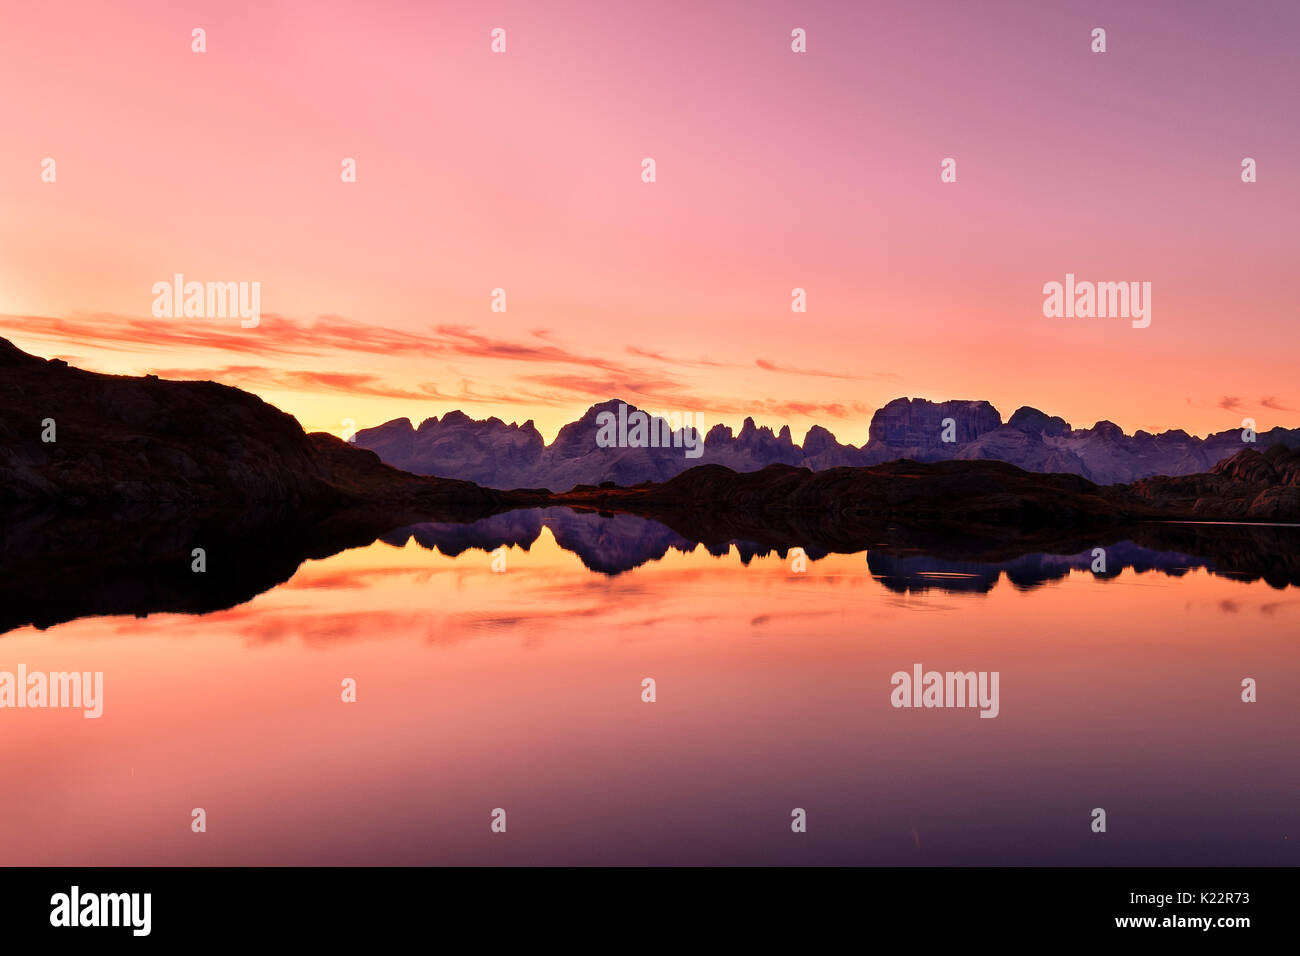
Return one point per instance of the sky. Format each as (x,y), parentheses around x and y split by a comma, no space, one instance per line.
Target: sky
(775,170)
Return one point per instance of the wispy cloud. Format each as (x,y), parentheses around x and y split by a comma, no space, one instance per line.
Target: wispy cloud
(464,341)
(837,410)
(277,336)
(1275,404)
(1237,405)
(685,363)
(560,376)
(255,376)
(820,373)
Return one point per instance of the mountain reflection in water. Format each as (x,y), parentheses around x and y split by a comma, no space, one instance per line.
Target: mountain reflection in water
(56,568)
(522,690)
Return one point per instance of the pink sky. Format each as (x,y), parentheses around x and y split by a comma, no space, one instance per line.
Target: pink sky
(775,170)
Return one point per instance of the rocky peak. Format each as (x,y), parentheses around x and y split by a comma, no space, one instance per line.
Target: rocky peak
(817,441)
(917,423)
(718,436)
(1108,430)
(1032,420)
(457,417)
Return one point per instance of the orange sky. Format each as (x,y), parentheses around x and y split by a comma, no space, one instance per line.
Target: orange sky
(775,170)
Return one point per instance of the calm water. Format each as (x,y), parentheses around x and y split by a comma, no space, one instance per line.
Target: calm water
(522,690)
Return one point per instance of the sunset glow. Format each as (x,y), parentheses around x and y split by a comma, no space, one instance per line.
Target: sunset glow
(774,172)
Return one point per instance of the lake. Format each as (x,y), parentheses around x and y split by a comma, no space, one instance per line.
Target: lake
(521,689)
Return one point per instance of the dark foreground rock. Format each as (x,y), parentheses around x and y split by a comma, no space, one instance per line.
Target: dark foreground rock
(986,498)
(119,440)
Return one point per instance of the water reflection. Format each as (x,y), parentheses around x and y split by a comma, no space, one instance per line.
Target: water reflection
(614,544)
(522,690)
(56,568)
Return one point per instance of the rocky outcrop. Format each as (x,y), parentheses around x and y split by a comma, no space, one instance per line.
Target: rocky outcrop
(917,429)
(968,493)
(967,497)
(488,452)
(1249,486)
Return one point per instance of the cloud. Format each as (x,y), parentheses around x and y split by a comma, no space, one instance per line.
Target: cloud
(461,340)
(606,387)
(819,373)
(254,376)
(778,409)
(660,357)
(1275,405)
(277,336)
(1238,405)
(556,391)
(466,391)
(329,339)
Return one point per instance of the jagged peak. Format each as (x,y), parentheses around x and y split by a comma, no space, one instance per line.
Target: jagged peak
(717,434)
(817,440)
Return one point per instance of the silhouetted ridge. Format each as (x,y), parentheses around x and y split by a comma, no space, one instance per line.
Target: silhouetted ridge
(73,438)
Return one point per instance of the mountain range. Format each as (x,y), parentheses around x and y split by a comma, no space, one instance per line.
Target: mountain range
(496,455)
(82,440)
(108,483)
